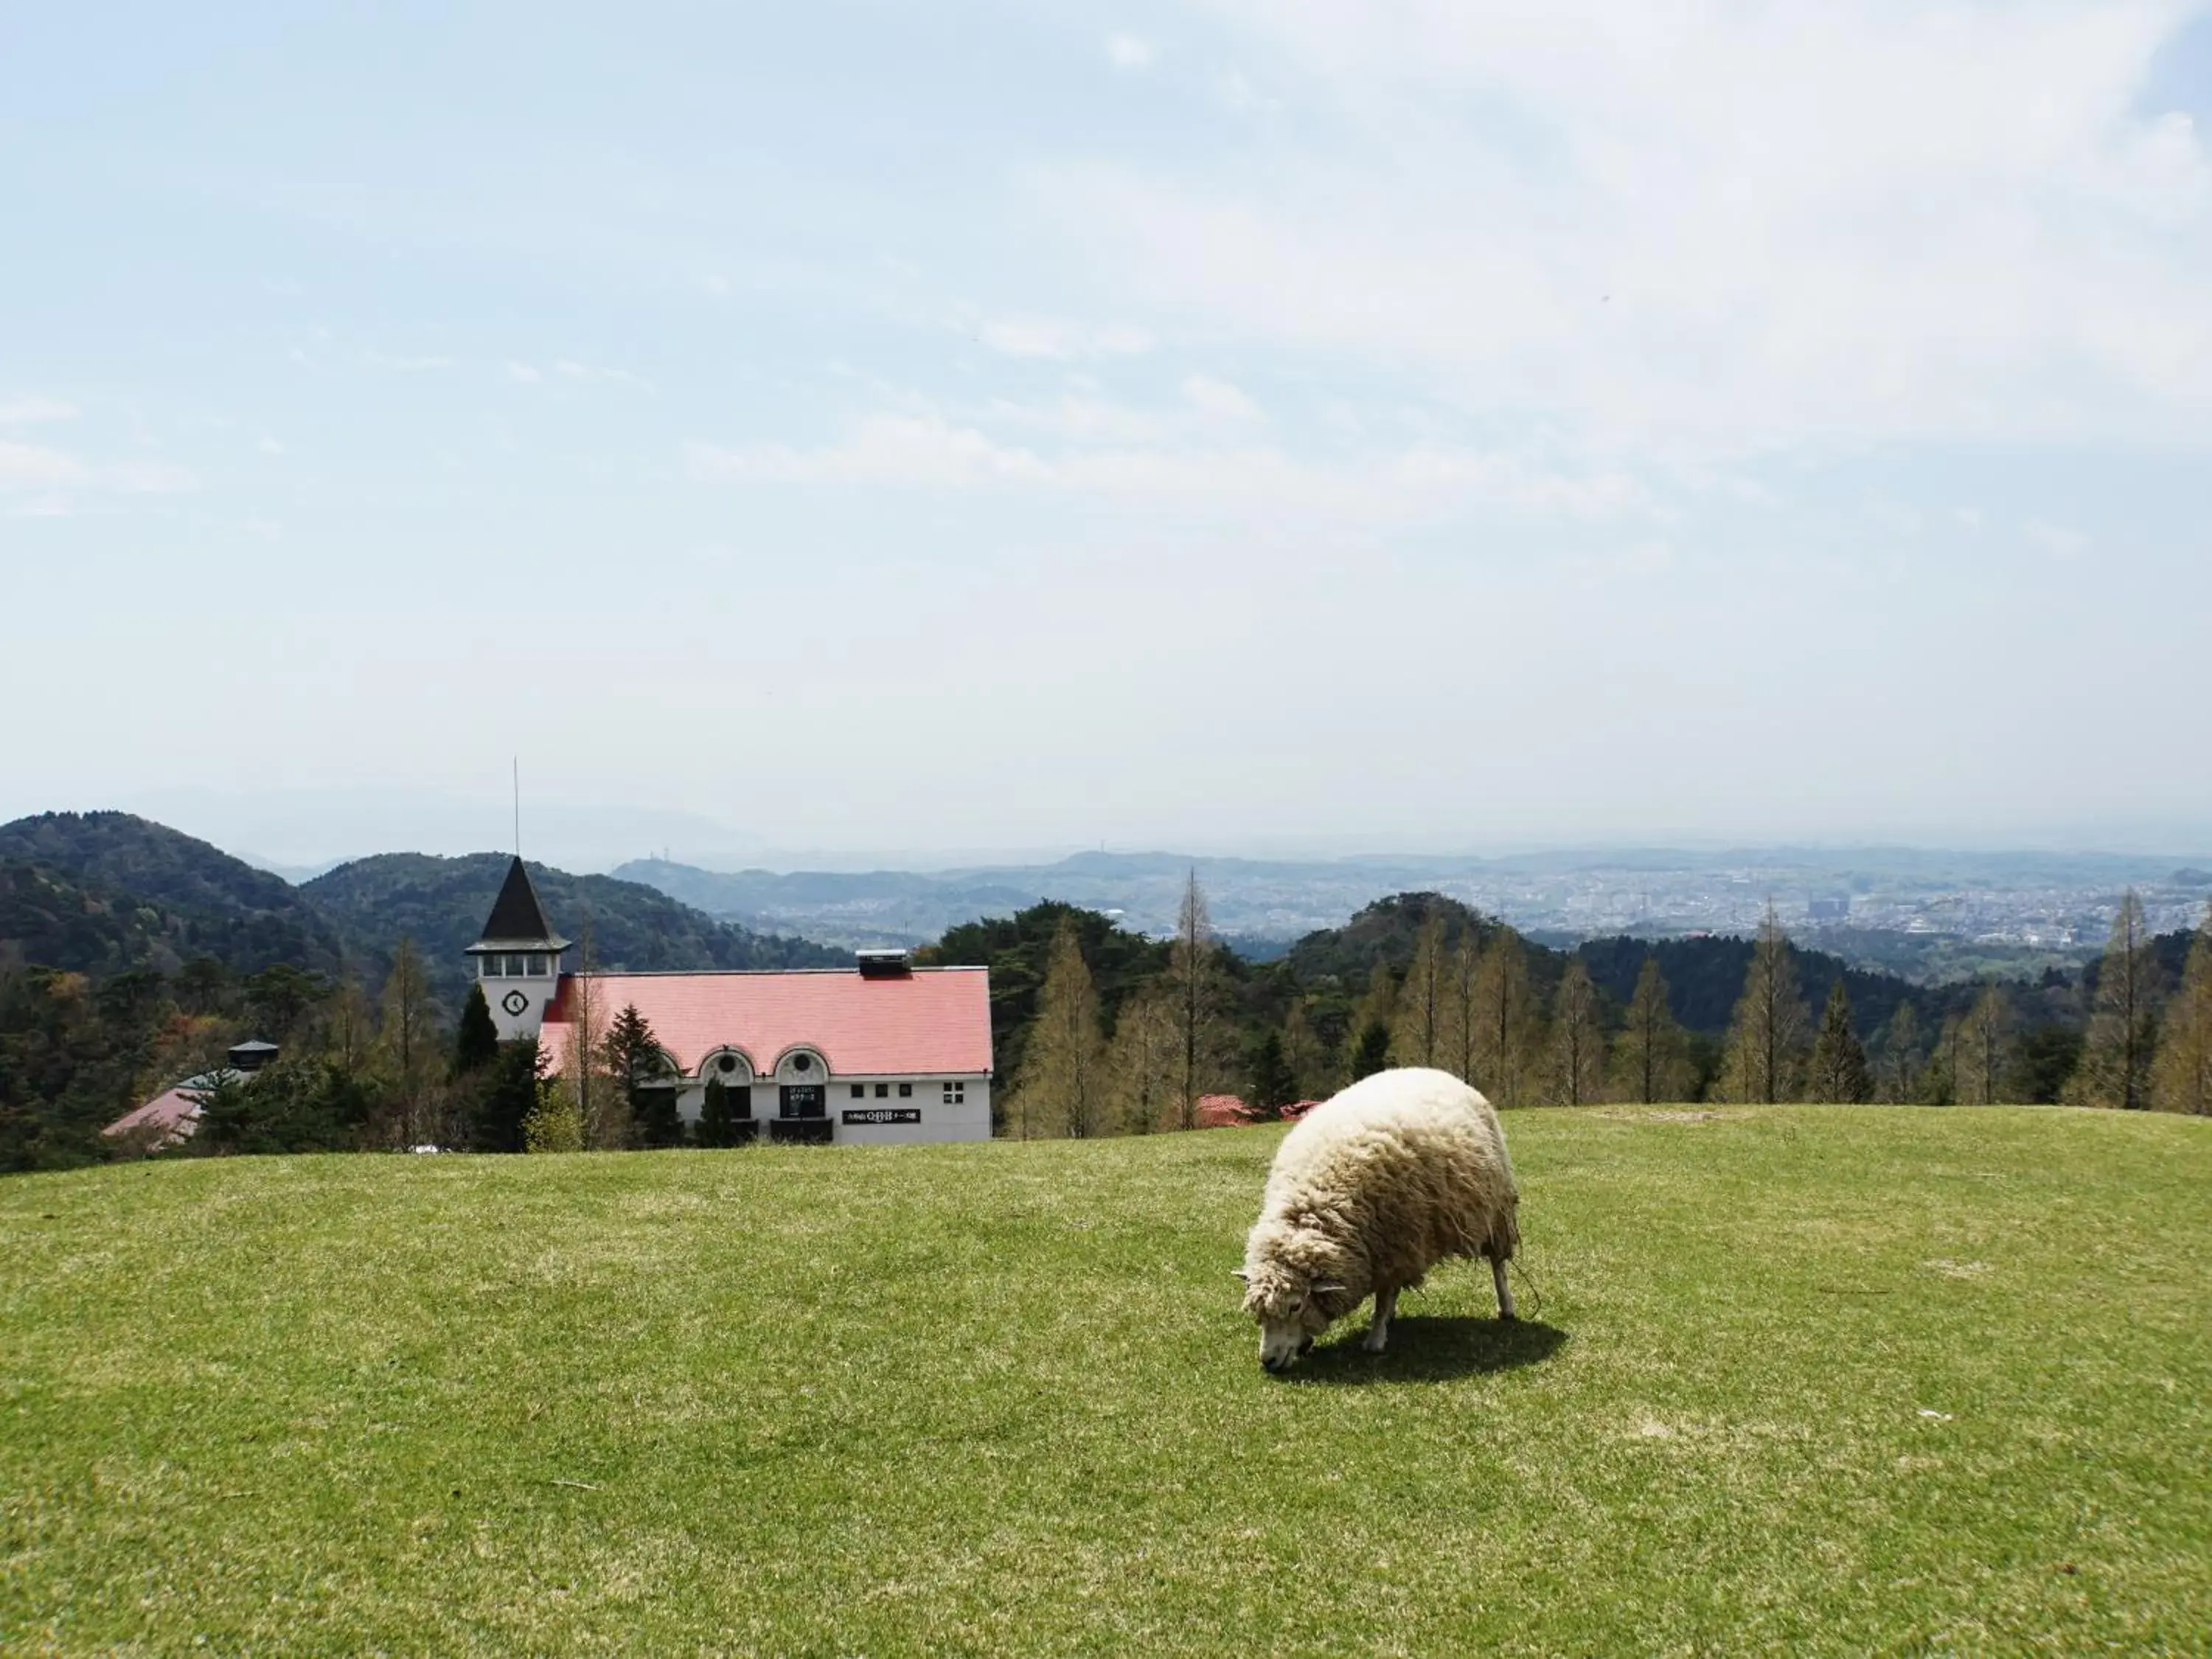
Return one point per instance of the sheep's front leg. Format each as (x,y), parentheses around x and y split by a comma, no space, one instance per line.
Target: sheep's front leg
(1386,1303)
(1504,1289)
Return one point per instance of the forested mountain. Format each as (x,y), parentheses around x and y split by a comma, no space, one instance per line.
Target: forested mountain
(80,926)
(441,903)
(210,904)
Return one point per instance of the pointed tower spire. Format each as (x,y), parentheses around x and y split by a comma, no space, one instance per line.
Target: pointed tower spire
(518,959)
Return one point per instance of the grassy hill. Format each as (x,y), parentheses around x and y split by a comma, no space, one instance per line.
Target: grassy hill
(1791,1379)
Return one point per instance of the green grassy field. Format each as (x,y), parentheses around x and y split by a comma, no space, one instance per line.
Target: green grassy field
(1791,1379)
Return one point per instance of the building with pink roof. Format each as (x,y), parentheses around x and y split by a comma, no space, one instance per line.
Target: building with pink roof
(882,1051)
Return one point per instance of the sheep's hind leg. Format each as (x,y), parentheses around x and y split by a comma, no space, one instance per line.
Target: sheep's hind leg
(1504,1289)
(1386,1303)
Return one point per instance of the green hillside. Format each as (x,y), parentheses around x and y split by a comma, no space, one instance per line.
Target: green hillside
(1791,1379)
(212,904)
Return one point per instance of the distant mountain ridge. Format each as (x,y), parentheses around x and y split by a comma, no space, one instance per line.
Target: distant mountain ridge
(211,904)
(104,892)
(441,903)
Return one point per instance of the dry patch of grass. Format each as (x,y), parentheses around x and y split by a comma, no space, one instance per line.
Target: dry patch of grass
(1802,1380)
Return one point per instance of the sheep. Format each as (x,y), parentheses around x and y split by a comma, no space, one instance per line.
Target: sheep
(1370,1190)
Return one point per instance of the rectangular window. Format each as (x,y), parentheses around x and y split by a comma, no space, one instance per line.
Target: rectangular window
(906,1090)
(537,965)
(883,1091)
(488,967)
(956,1094)
(860,1091)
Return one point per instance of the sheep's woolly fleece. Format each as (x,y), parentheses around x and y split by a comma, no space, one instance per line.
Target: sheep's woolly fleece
(1374,1187)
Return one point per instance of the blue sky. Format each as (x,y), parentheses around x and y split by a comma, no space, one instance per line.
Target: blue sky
(1227,426)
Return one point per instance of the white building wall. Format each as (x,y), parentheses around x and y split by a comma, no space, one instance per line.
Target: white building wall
(861,1121)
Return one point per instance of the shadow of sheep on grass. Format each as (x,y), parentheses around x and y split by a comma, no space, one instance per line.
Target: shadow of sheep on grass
(1434,1349)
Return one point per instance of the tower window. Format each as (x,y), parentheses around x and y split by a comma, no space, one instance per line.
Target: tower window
(537,965)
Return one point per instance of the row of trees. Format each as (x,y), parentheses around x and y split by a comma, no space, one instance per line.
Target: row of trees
(1468,1003)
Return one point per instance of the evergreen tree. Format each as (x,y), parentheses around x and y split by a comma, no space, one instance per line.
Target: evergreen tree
(1839,1070)
(226,1123)
(2181,1080)
(1371,1053)
(509,1094)
(1578,1039)
(1985,1049)
(635,1061)
(717,1128)
(1766,1042)
(1506,1019)
(1062,1088)
(2117,1053)
(1274,1084)
(476,1041)
(1901,1058)
(1651,1061)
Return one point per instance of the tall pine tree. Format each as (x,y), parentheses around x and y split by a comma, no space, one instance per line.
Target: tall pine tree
(1839,1069)
(2116,1053)
(1578,1040)
(476,1041)
(1766,1042)
(2182,1080)
(1062,1088)
(1650,1060)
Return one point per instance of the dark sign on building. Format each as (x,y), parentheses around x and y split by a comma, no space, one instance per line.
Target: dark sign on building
(884,1114)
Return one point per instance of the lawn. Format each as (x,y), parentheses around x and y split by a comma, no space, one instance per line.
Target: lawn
(1789,1380)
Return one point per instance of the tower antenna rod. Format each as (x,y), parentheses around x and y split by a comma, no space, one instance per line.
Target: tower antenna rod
(517,761)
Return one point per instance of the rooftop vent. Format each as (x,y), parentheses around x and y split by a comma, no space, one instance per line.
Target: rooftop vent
(884,964)
(251,1056)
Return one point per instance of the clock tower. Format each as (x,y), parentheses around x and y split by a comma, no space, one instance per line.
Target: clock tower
(518,960)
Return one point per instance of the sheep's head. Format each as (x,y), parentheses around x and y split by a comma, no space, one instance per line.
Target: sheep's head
(1292,1306)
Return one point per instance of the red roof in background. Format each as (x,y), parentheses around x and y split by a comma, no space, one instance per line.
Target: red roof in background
(168,1118)
(1222,1112)
(934,1019)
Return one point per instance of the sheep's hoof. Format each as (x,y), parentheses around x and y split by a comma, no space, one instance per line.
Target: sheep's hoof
(1373,1342)
(1507,1316)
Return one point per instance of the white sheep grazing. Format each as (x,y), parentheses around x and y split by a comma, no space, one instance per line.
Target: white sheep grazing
(1370,1190)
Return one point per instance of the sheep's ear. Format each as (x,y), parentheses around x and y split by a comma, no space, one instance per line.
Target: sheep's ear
(1238,1272)
(1324,1287)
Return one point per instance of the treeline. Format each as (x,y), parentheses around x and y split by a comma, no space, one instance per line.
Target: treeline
(1101,1033)
(352,1073)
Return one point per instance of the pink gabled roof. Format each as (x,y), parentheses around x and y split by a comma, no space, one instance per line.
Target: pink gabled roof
(934,1019)
(169,1116)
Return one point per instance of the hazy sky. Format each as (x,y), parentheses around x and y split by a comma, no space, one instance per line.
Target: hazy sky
(1261,423)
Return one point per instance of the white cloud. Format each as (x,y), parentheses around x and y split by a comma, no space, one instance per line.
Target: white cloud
(1243,481)
(1704,229)
(598,374)
(1217,399)
(33,466)
(35,469)
(1130,52)
(1063,342)
(2057,540)
(526,373)
(33,412)
(1239,96)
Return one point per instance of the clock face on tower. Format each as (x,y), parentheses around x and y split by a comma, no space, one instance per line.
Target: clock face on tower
(515,1003)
